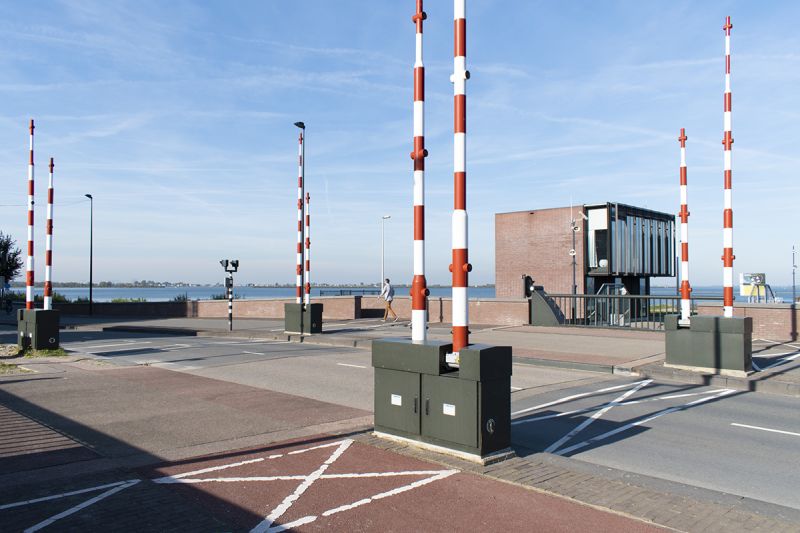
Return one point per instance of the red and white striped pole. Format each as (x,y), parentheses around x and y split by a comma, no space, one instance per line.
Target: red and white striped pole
(308,249)
(686,288)
(460,266)
(727,141)
(419,288)
(300,188)
(29,267)
(48,254)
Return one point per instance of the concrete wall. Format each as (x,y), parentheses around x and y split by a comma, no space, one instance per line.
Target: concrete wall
(536,243)
(483,311)
(776,322)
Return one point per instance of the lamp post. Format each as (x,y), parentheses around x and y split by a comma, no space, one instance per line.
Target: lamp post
(91,224)
(794,268)
(384,218)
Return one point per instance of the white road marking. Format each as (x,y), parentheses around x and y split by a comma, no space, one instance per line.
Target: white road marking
(513,388)
(171,479)
(629,402)
(575,397)
(62,495)
(191,481)
(767,429)
(781,343)
(265,525)
(82,505)
(352,366)
(586,423)
(780,362)
(126,344)
(642,421)
(287,502)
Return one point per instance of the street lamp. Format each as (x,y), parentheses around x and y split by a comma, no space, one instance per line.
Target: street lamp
(384,218)
(794,268)
(91,225)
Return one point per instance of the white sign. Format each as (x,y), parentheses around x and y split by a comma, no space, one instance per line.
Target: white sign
(397,399)
(449,409)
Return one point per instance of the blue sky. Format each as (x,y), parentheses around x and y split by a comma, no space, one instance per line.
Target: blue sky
(177,116)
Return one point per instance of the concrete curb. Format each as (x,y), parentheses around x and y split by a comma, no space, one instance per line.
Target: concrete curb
(567,365)
(755,383)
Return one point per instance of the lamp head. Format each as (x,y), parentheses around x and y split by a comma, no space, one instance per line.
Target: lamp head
(89,196)
(300,125)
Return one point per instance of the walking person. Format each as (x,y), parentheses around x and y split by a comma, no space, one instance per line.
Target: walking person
(387,293)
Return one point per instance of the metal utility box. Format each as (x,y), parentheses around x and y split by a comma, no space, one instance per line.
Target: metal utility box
(417,396)
(710,343)
(450,410)
(397,401)
(312,320)
(293,318)
(38,329)
(300,318)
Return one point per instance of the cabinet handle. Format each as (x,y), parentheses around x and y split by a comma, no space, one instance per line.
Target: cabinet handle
(415,405)
(427,406)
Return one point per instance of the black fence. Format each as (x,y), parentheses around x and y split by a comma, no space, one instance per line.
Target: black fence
(617,310)
(348,292)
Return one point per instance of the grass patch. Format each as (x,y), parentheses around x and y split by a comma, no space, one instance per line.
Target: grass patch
(58,352)
(6,368)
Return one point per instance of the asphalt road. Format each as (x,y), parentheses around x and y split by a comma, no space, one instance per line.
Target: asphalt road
(331,374)
(745,444)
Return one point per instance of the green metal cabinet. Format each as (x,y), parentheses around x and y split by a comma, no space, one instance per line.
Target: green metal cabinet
(450,408)
(38,329)
(419,397)
(397,401)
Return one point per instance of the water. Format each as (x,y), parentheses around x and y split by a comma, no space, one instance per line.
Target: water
(784,292)
(165,294)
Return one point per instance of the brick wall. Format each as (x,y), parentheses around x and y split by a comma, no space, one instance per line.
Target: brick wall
(536,243)
(483,311)
(334,308)
(776,322)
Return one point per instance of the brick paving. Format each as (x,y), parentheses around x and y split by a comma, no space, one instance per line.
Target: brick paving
(321,484)
(670,505)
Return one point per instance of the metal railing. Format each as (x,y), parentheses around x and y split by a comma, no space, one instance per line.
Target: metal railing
(348,292)
(616,310)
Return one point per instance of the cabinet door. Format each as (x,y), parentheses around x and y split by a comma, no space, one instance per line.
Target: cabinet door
(450,409)
(397,400)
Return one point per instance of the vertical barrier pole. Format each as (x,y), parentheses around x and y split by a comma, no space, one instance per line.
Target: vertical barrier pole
(419,289)
(29,274)
(48,254)
(230,301)
(686,288)
(727,141)
(300,188)
(308,249)
(460,266)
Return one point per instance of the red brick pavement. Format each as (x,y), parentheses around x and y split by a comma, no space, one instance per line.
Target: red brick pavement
(319,484)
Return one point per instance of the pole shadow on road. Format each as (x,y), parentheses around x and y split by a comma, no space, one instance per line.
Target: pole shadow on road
(585,421)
